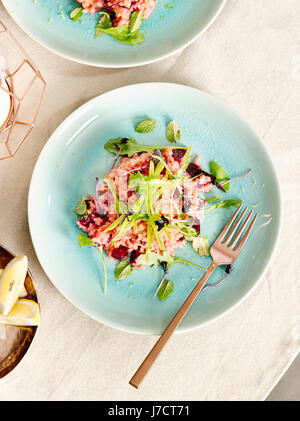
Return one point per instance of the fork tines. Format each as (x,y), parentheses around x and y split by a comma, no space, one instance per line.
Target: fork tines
(231,228)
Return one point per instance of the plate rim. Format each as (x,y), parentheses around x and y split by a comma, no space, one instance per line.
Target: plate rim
(145,331)
(117,66)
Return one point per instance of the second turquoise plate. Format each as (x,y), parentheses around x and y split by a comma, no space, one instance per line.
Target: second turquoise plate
(74,156)
(167,31)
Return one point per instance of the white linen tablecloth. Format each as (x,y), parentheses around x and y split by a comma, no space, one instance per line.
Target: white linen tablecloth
(249,58)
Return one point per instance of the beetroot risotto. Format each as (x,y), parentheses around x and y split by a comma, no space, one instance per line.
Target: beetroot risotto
(120,19)
(149,204)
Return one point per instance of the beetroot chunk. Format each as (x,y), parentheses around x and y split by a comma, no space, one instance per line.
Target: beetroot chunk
(178,154)
(193,170)
(134,255)
(85,220)
(196,225)
(197,228)
(120,253)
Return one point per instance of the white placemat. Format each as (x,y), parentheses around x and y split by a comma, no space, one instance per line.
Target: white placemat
(250,59)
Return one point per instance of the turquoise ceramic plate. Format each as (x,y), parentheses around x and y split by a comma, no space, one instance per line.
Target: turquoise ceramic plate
(74,156)
(167,30)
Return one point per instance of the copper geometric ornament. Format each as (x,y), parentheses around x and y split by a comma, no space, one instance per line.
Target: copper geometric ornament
(25,86)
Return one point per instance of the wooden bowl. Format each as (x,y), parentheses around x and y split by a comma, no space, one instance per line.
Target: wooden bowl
(15,341)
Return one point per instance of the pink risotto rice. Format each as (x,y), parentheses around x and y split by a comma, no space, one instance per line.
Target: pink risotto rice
(187,201)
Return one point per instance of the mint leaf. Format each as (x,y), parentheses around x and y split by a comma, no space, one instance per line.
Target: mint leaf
(104,23)
(76,14)
(225,204)
(173,133)
(220,174)
(165,290)
(84,241)
(201,245)
(136,20)
(80,208)
(146,126)
(123,269)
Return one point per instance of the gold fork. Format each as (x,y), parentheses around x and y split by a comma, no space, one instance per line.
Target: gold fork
(224,251)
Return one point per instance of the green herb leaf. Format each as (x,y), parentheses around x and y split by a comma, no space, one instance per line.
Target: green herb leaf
(123,269)
(122,33)
(130,147)
(136,20)
(104,23)
(225,204)
(220,174)
(173,133)
(76,14)
(80,208)
(146,126)
(84,241)
(114,145)
(165,290)
(211,199)
(201,245)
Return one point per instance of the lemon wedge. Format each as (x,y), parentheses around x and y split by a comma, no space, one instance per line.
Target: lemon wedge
(24,313)
(12,283)
(23,292)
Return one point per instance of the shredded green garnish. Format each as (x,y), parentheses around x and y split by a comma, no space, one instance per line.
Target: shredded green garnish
(150,190)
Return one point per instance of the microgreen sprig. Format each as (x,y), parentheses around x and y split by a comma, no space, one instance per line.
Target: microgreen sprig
(224,204)
(85,241)
(131,147)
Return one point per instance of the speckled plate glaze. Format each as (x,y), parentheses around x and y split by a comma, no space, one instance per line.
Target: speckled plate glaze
(74,156)
(167,31)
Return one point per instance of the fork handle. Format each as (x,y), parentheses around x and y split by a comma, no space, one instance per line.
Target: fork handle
(158,347)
